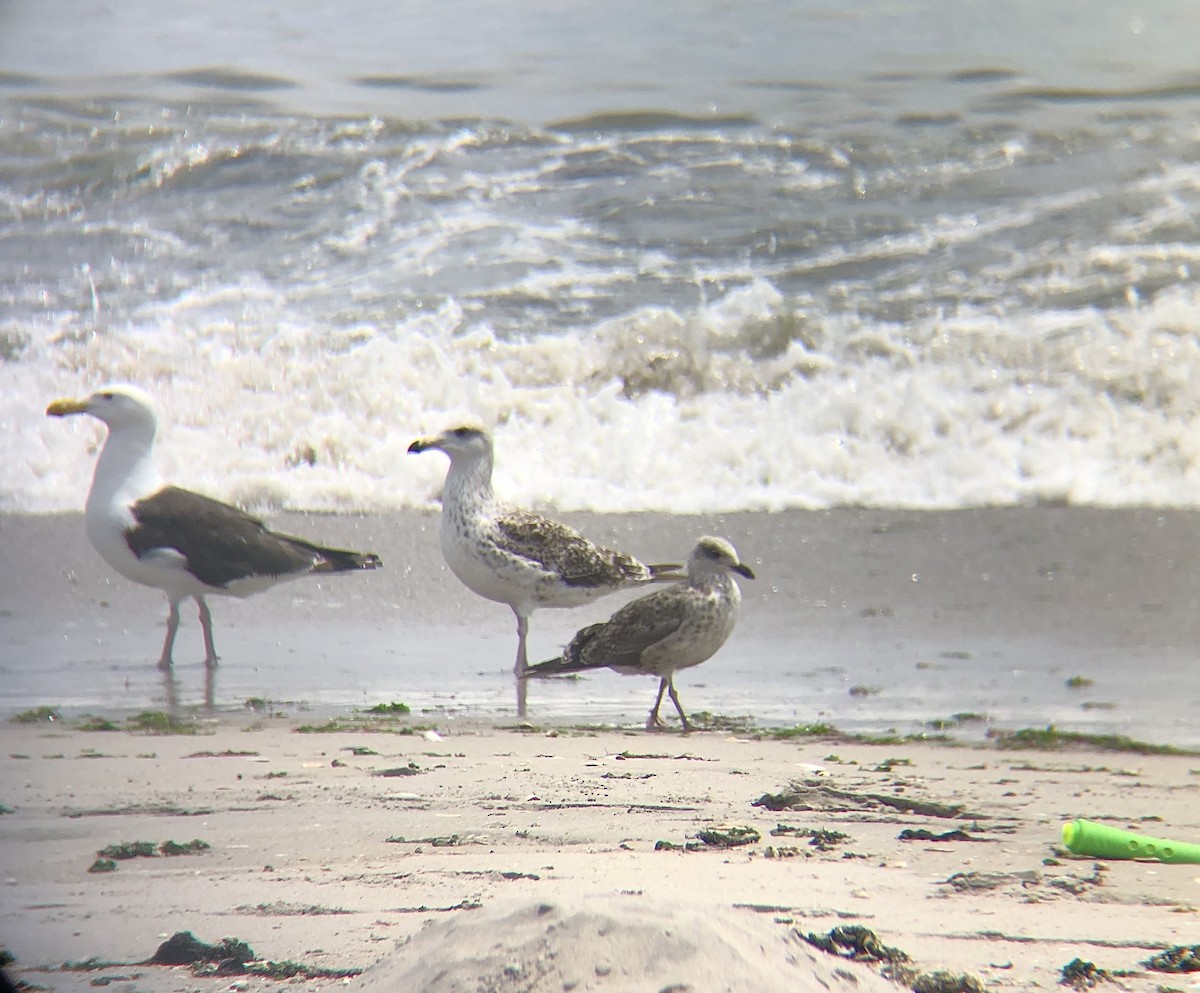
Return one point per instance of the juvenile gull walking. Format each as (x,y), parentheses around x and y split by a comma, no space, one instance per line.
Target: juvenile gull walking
(665,631)
(516,557)
(185,544)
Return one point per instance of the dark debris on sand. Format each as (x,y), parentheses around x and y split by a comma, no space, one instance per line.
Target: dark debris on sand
(1181,958)
(921,834)
(822,839)
(728,837)
(234,957)
(184,948)
(825,797)
(861,944)
(1083,975)
(855,942)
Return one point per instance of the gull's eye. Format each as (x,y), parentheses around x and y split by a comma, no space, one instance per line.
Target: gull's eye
(107,395)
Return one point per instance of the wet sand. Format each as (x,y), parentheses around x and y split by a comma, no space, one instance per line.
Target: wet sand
(869,620)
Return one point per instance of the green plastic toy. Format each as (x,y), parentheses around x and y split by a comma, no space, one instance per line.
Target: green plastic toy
(1098,840)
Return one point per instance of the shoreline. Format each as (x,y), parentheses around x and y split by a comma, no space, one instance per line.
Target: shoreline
(328,848)
(871,621)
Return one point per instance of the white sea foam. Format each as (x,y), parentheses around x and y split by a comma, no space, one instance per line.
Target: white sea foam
(654,411)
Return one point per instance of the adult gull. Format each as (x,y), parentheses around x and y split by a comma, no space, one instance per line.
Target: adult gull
(183,543)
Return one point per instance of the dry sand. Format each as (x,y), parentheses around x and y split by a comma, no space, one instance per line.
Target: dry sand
(528,858)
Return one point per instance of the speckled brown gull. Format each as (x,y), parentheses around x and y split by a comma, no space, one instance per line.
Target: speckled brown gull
(516,557)
(665,631)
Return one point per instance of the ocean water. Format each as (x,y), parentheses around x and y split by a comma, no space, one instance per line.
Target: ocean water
(687,257)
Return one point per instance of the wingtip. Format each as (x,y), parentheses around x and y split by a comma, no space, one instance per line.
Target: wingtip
(342,560)
(542,670)
(667,572)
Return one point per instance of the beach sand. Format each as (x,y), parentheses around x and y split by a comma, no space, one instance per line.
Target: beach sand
(528,858)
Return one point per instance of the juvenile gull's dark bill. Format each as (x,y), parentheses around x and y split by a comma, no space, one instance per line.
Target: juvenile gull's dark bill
(664,631)
(516,557)
(183,543)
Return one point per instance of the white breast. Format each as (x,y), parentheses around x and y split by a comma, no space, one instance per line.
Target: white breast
(481,566)
(165,568)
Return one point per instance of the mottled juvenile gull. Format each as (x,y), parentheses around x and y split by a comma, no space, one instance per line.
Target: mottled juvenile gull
(665,631)
(516,557)
(185,544)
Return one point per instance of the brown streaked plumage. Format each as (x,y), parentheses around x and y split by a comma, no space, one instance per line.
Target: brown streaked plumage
(517,557)
(665,631)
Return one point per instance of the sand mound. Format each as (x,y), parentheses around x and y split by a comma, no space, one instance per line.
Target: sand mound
(612,944)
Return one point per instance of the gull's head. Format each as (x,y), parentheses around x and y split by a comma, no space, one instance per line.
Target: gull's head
(468,442)
(120,407)
(717,555)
